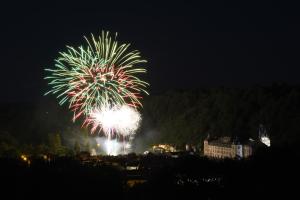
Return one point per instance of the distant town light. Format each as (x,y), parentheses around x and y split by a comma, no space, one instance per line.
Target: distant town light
(23,157)
(266,140)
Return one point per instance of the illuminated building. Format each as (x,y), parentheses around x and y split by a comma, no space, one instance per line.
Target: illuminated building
(225,148)
(161,148)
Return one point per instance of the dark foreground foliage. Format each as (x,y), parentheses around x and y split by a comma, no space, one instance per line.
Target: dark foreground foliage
(271,172)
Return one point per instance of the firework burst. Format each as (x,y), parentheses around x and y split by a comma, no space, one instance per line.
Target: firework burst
(102,72)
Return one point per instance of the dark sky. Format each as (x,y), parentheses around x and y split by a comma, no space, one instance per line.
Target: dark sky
(188,45)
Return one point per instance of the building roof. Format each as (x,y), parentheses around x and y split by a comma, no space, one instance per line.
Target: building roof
(222,141)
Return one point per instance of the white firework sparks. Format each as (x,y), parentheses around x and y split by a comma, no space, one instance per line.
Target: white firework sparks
(123,120)
(112,147)
(127,120)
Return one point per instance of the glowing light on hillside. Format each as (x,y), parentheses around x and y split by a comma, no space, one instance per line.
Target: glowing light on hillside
(266,140)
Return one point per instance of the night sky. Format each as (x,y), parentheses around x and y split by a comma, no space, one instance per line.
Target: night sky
(187,45)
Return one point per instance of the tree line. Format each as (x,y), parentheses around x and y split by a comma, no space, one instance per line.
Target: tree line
(180,117)
(176,117)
